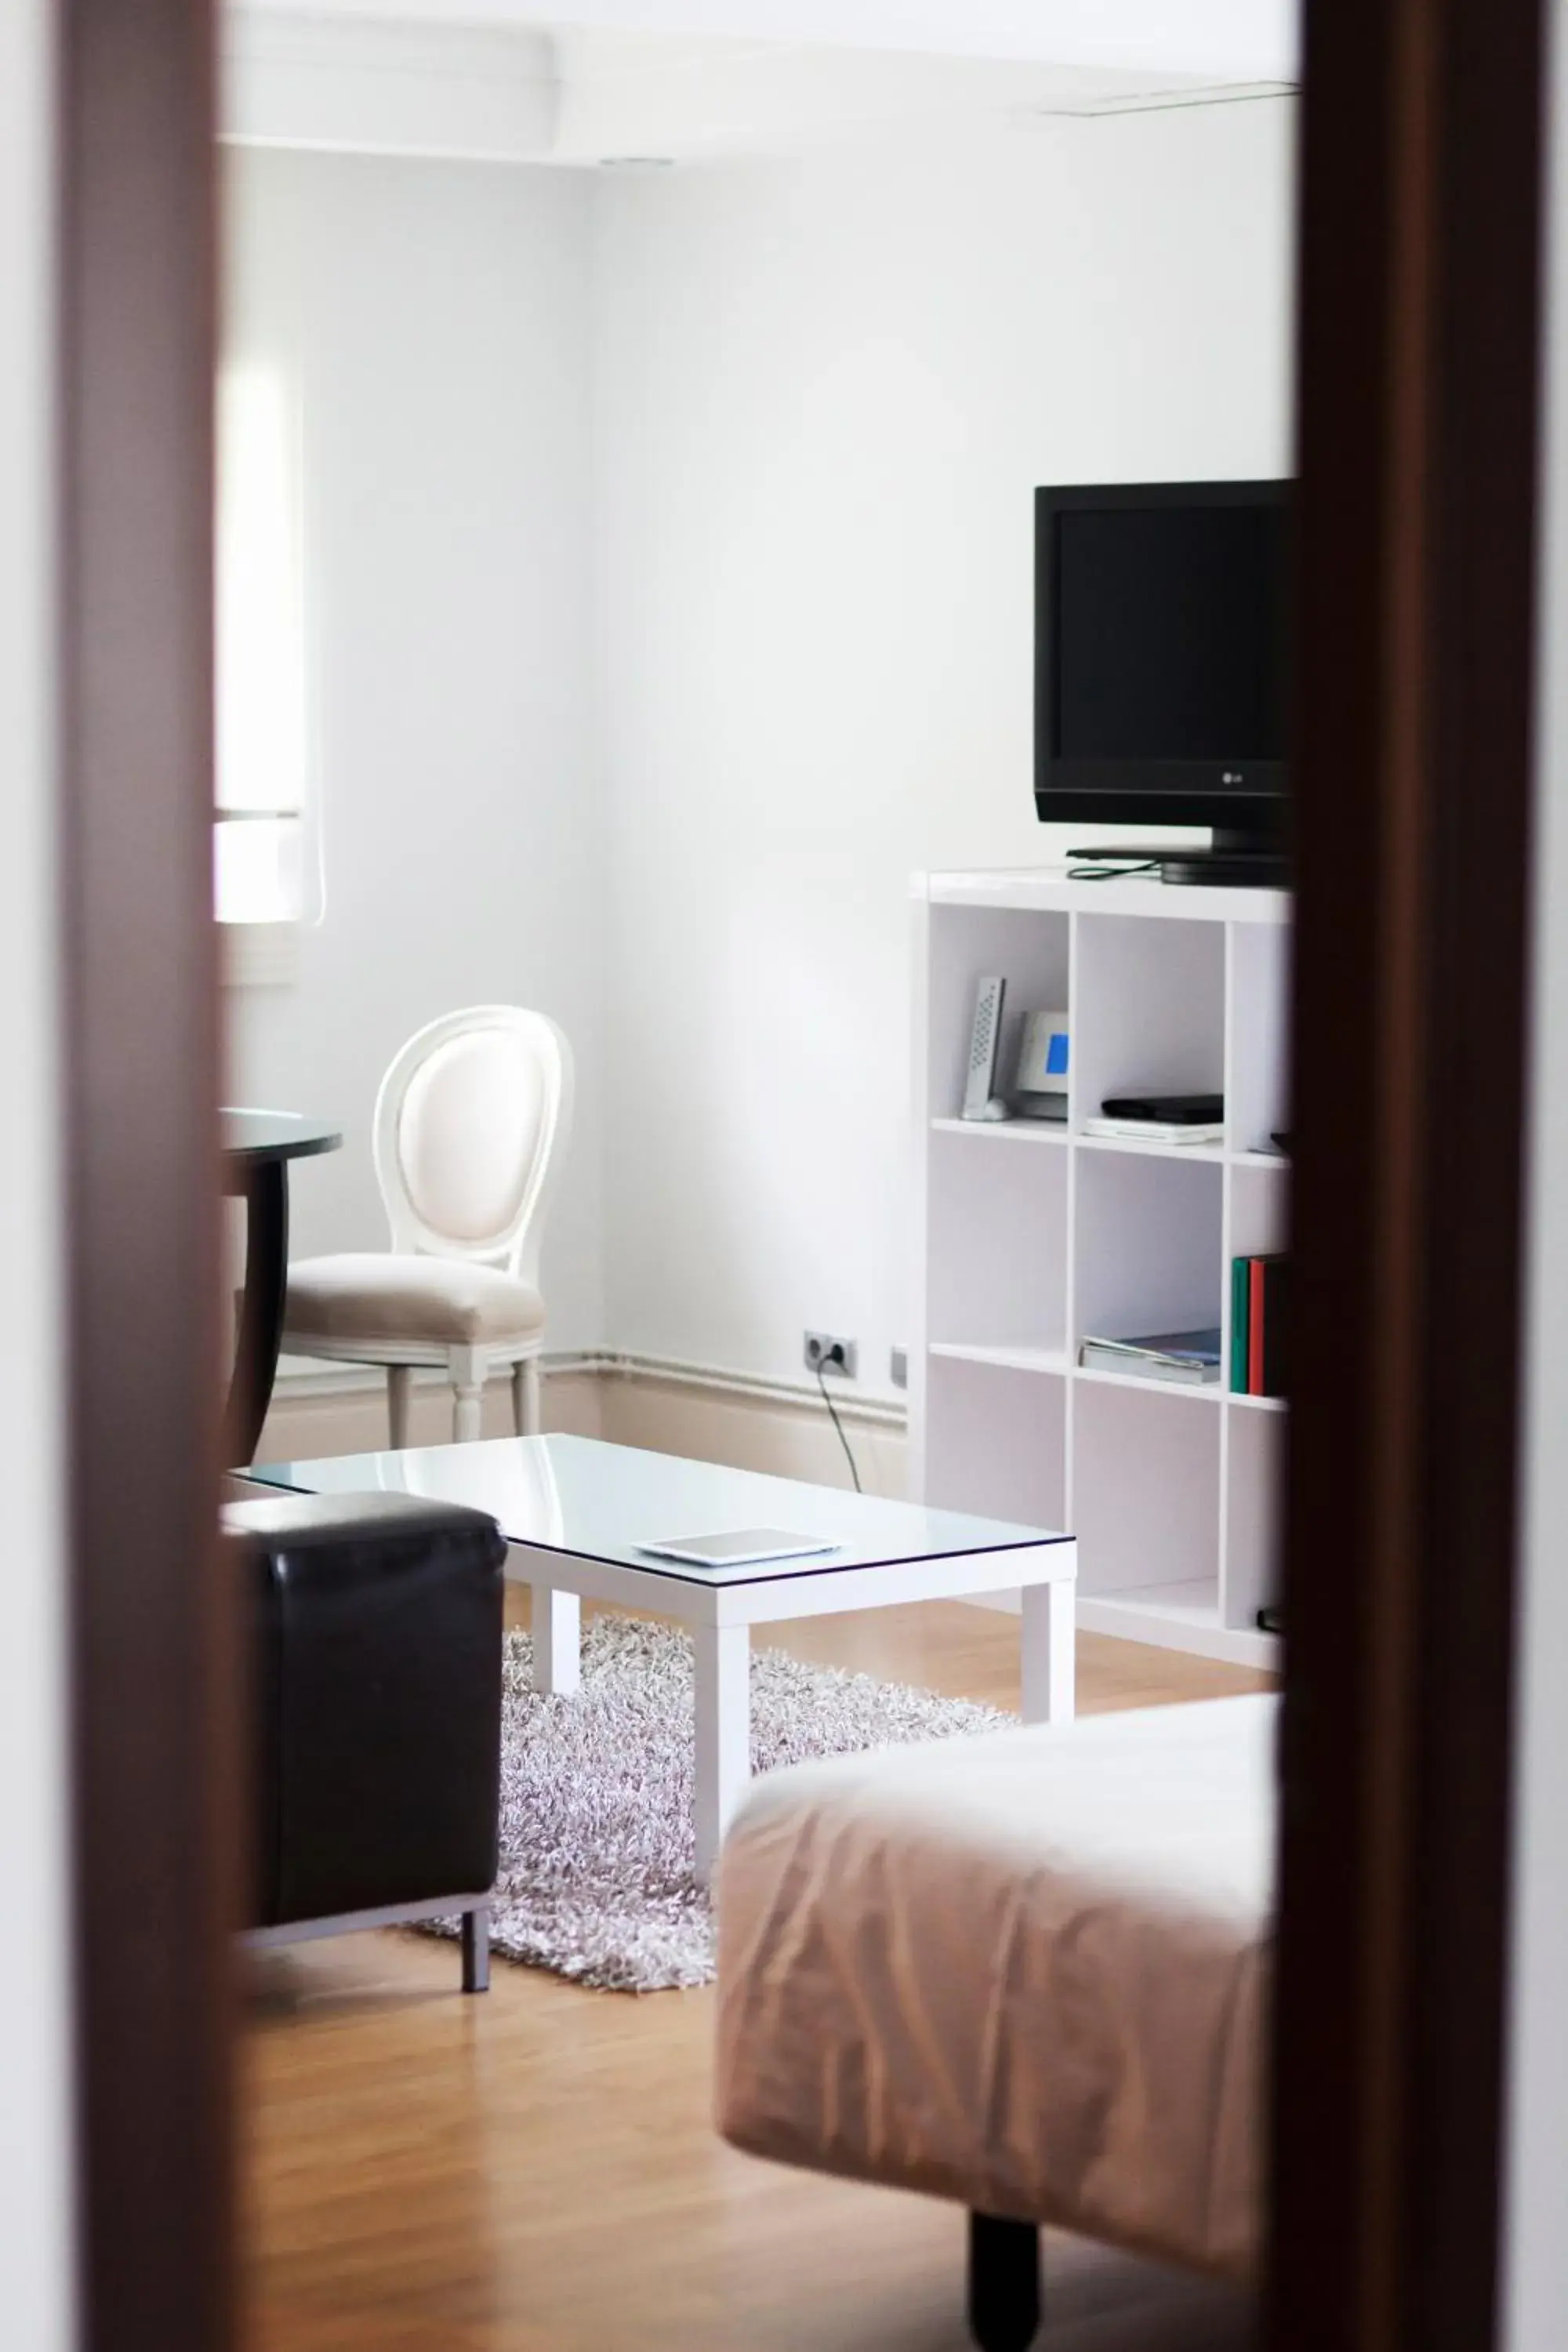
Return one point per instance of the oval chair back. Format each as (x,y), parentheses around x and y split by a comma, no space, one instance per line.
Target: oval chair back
(471,1124)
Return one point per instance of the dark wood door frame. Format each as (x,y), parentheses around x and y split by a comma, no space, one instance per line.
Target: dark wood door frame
(152,1707)
(1418,336)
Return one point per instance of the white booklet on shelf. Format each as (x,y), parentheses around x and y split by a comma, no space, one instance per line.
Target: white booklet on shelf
(1153,1130)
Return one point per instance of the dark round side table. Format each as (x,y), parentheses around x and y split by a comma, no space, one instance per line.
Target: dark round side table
(258,1146)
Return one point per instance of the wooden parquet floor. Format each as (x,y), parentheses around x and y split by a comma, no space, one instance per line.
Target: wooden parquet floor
(535,2170)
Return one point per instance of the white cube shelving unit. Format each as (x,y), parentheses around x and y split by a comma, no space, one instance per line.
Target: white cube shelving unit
(1033,1236)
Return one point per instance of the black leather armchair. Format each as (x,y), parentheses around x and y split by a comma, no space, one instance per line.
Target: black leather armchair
(376,1627)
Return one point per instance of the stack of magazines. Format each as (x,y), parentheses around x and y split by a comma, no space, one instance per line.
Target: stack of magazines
(1186,1357)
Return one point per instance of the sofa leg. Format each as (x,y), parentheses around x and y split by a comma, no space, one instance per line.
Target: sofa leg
(1004,2282)
(476,1951)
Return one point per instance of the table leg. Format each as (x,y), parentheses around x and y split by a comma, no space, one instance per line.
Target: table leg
(476,1933)
(557,1641)
(721,1655)
(260,1334)
(1048,1641)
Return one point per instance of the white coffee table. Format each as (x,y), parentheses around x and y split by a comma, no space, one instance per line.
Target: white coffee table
(574,1512)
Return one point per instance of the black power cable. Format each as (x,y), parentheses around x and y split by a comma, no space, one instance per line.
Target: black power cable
(836,1356)
(1113,873)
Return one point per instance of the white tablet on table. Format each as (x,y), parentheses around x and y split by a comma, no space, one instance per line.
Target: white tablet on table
(740,1548)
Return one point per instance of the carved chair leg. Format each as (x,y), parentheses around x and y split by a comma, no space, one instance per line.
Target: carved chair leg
(467,1366)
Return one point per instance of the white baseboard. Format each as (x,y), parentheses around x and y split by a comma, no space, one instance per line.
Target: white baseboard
(704,1411)
(773,1426)
(868,1409)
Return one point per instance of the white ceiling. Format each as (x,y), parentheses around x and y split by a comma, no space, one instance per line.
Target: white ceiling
(1214,40)
(703,99)
(408,76)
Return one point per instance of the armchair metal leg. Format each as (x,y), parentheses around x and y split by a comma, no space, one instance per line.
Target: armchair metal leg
(1004,2282)
(477,1949)
(525,1401)
(399,1378)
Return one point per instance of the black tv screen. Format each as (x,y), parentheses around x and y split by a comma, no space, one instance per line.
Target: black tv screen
(1161,654)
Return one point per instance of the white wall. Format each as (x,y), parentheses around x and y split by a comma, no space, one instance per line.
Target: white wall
(435,316)
(34,1976)
(670,544)
(826,393)
(1536,2257)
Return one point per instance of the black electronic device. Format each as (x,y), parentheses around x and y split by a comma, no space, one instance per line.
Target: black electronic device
(1160,651)
(1168,1110)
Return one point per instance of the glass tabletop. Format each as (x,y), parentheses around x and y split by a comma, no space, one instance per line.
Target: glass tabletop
(274,1135)
(597,1501)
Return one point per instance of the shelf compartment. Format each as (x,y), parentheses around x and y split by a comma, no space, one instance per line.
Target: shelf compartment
(997,1246)
(1200,1154)
(1257,1089)
(1050,1361)
(1030,951)
(1148,1244)
(1210,1390)
(1149,1016)
(1005,1131)
(1256,1225)
(1162,1527)
(1182,1617)
(996,1440)
(1196,1603)
(1254,1482)
(1259,1211)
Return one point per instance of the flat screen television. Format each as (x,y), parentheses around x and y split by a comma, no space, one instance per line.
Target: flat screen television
(1160,646)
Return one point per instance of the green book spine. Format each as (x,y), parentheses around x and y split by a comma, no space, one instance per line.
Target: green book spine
(1240,1280)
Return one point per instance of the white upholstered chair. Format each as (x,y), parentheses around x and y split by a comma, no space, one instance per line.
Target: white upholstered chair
(471,1124)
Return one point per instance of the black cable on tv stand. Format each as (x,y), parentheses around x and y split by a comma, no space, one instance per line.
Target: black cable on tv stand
(1223,866)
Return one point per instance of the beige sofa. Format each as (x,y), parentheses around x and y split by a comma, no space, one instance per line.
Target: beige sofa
(1026,1971)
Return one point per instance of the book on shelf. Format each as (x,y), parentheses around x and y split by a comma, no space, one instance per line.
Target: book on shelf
(1155,1130)
(1188,1358)
(1259,1324)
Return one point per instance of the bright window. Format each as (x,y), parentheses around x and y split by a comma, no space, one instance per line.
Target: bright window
(261,849)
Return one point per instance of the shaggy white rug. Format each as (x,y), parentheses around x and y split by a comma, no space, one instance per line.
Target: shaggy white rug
(595,1829)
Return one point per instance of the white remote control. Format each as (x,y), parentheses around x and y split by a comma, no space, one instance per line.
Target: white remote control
(980,1098)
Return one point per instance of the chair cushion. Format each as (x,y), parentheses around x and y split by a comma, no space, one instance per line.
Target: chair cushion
(373,1296)
(1027,1971)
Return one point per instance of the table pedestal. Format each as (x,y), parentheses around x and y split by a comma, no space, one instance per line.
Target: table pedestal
(263,1186)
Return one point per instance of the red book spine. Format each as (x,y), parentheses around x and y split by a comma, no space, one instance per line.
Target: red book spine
(1254,1328)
